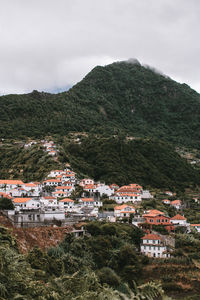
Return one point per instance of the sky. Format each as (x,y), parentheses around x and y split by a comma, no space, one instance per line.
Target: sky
(49,45)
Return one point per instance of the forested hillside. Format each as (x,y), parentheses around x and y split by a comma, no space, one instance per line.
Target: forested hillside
(147,162)
(121,97)
(27,164)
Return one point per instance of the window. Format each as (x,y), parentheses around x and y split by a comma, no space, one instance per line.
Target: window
(165,220)
(144,247)
(162,220)
(149,247)
(147,241)
(159,248)
(158,221)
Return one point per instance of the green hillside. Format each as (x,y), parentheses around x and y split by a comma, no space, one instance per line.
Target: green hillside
(30,164)
(121,97)
(115,160)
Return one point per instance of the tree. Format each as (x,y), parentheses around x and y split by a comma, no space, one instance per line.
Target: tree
(6,203)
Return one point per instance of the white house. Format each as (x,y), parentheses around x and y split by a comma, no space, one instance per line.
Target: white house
(33,188)
(86,181)
(166,201)
(26,203)
(146,194)
(153,246)
(86,201)
(123,211)
(18,192)
(124,198)
(6,185)
(66,203)
(179,220)
(104,189)
(49,202)
(52,182)
(196,226)
(91,188)
(60,194)
(176,204)
(55,173)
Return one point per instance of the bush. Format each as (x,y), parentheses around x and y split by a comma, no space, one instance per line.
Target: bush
(6,203)
(107,275)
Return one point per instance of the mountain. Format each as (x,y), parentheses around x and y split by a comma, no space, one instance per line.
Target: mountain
(121,97)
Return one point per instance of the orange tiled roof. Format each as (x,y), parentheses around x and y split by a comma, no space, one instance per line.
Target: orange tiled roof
(21,200)
(122,206)
(87,199)
(4,195)
(128,194)
(151,236)
(89,186)
(52,180)
(66,200)
(5,181)
(194,224)
(64,187)
(175,202)
(30,185)
(178,217)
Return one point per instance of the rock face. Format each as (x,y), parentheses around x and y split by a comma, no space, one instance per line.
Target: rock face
(28,238)
(41,237)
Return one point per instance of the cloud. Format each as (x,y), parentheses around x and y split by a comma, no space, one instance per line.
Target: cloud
(49,44)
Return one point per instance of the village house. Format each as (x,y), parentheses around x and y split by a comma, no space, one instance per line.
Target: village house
(18,192)
(154,217)
(114,187)
(179,220)
(32,187)
(55,173)
(123,211)
(127,197)
(26,203)
(103,189)
(48,202)
(153,246)
(176,204)
(86,201)
(146,194)
(60,194)
(90,188)
(86,181)
(66,203)
(166,201)
(195,226)
(5,195)
(52,182)
(7,185)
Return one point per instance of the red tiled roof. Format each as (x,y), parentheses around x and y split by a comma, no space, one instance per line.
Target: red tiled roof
(87,199)
(178,217)
(66,200)
(175,202)
(21,200)
(122,207)
(151,236)
(5,181)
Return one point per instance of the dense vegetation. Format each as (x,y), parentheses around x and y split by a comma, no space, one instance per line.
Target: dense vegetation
(78,269)
(122,96)
(147,162)
(30,164)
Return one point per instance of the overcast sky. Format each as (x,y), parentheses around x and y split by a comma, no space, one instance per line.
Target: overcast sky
(52,44)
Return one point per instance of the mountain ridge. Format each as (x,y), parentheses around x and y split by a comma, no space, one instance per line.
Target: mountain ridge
(122,96)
